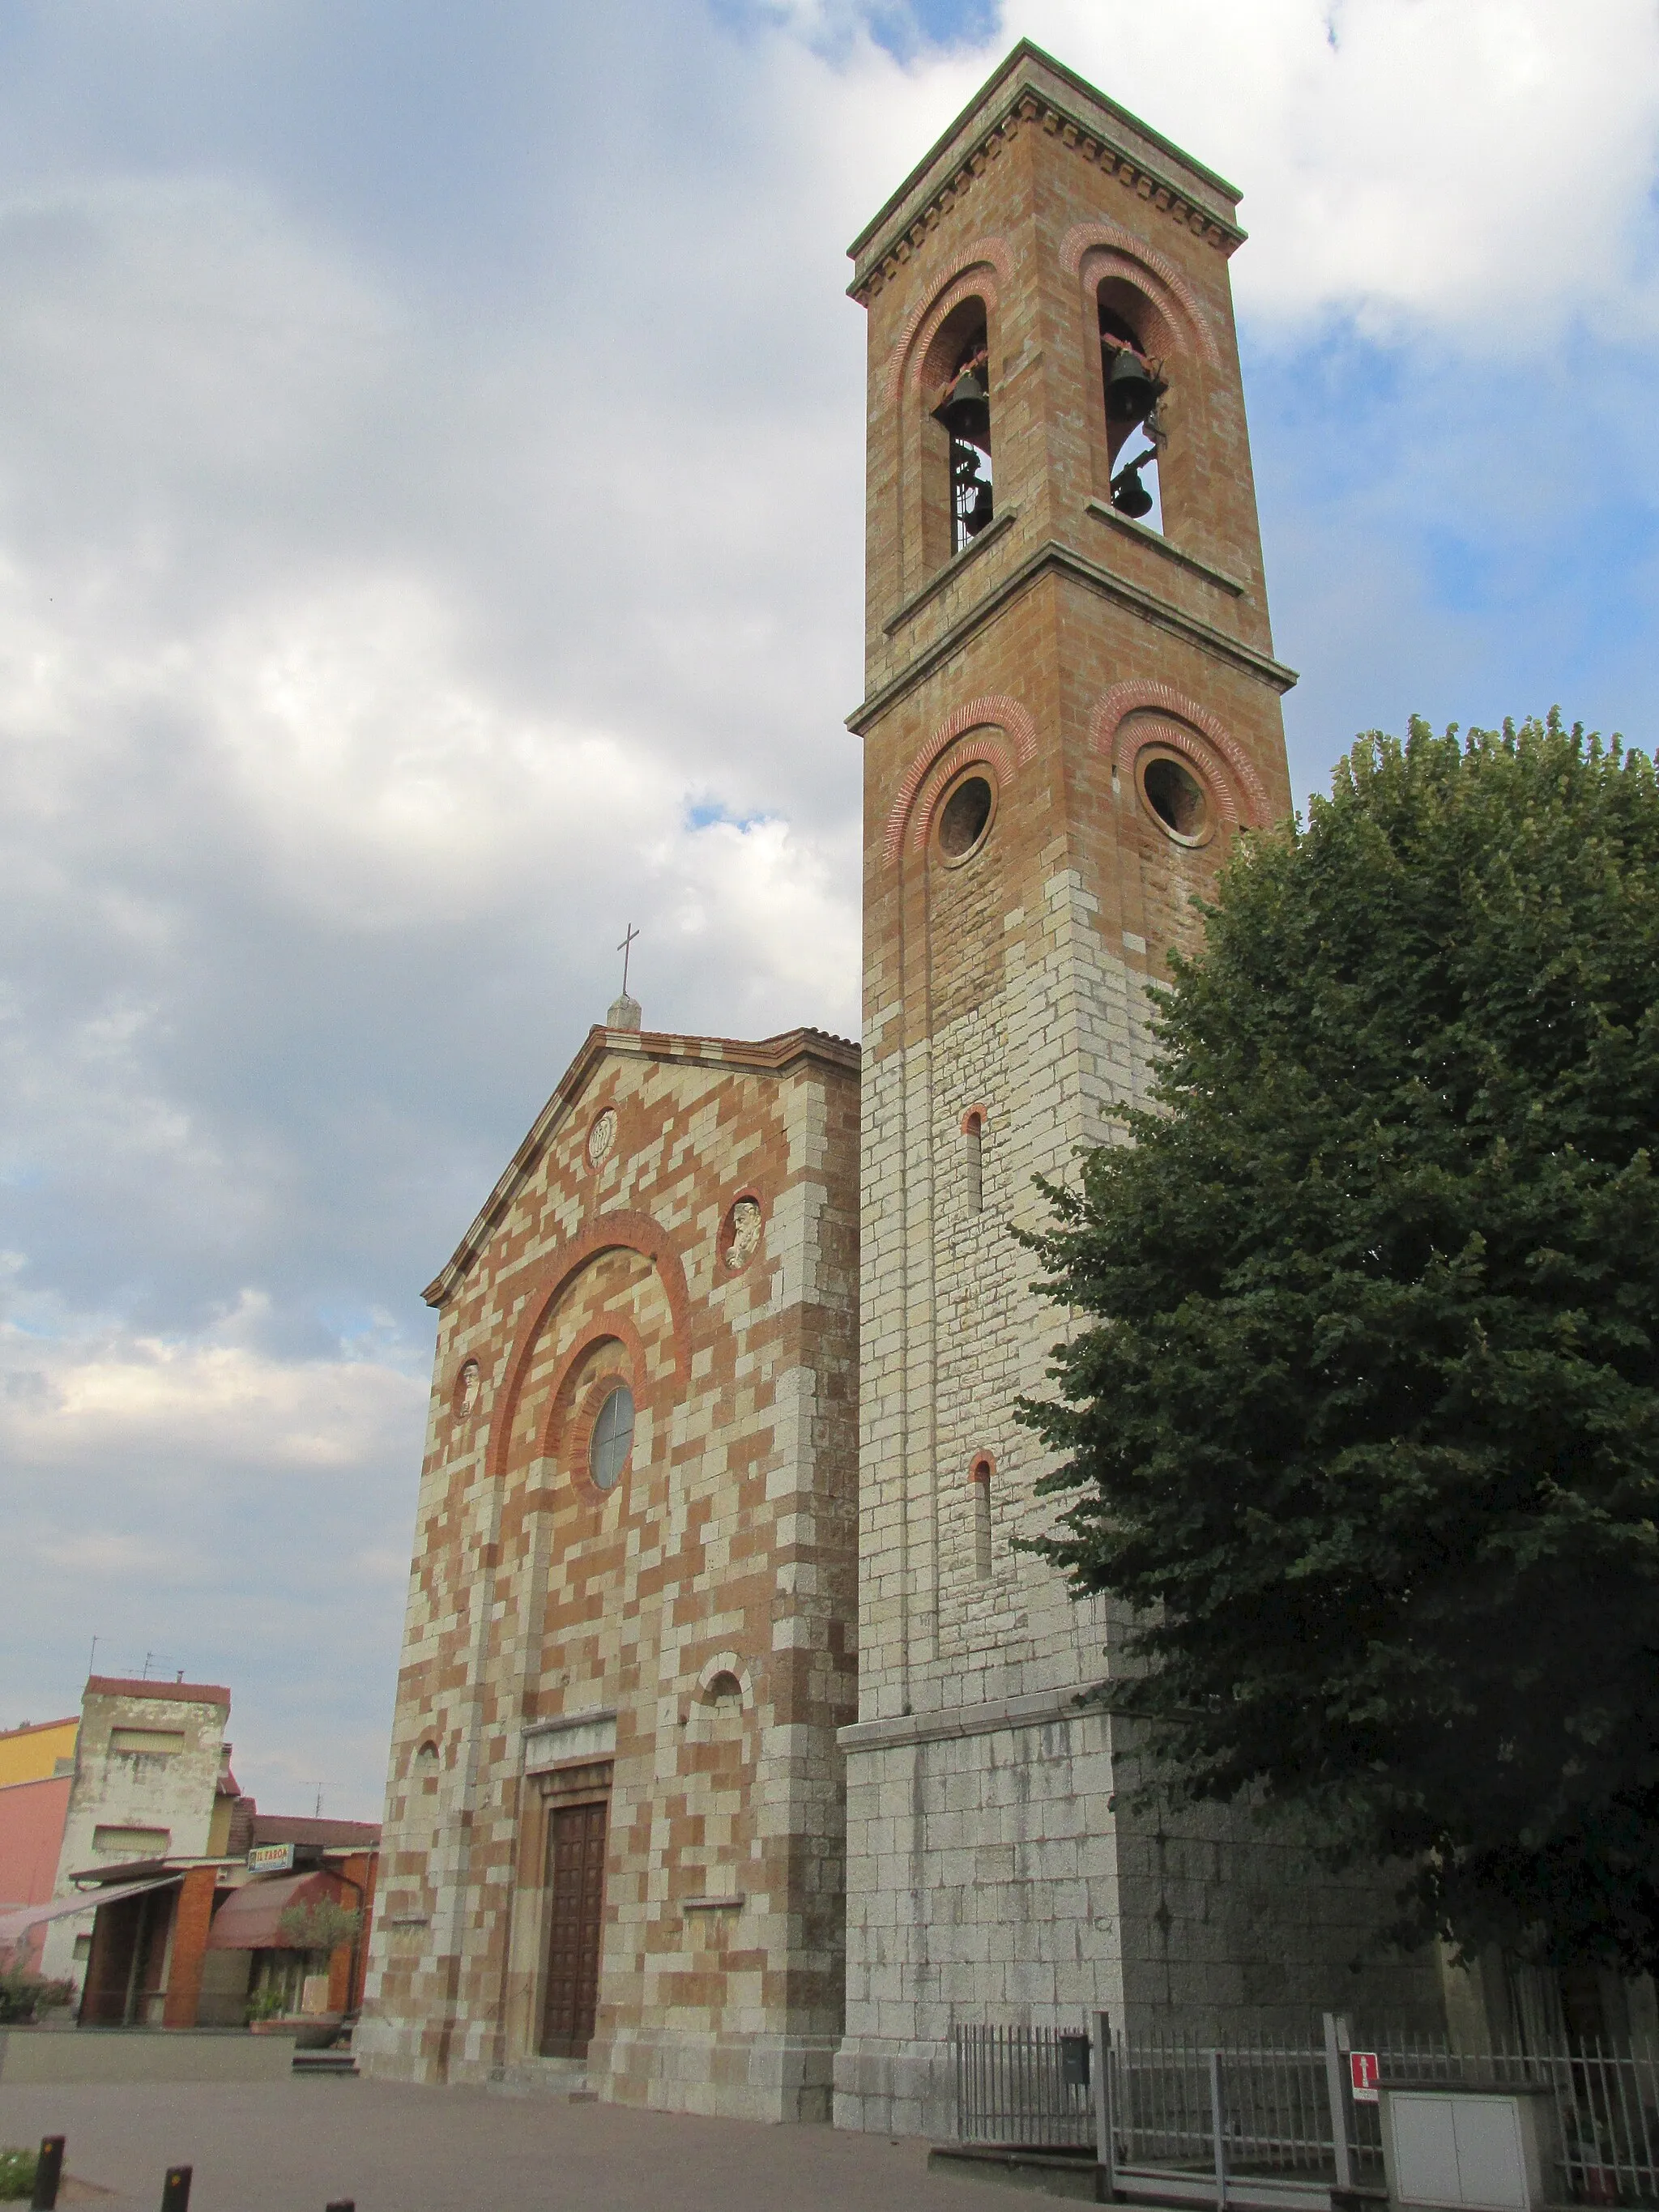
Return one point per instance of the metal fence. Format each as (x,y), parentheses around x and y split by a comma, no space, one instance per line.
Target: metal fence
(1278,2111)
(1012,2088)
(1271,2099)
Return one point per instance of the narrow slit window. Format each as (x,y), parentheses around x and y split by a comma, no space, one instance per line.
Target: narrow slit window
(965,414)
(1133,385)
(979,1485)
(973,1138)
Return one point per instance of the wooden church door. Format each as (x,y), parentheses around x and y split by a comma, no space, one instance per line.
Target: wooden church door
(576,1912)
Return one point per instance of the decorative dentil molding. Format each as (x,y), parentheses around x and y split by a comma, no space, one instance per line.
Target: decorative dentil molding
(1148,184)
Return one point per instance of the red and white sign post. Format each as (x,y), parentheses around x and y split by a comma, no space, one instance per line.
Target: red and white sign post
(1365,2074)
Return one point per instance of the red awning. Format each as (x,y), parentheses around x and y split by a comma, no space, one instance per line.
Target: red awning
(18,1921)
(248,1919)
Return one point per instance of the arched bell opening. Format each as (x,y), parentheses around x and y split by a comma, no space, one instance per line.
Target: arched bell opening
(1132,382)
(960,499)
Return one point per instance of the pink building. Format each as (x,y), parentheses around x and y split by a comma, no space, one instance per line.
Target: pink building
(37,1771)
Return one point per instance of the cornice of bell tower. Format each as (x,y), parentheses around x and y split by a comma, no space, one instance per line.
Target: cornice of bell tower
(1033,90)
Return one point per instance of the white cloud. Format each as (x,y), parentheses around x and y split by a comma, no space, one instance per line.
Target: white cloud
(1483,167)
(411,533)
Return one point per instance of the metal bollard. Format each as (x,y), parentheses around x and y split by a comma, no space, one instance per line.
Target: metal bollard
(48,2172)
(175,2189)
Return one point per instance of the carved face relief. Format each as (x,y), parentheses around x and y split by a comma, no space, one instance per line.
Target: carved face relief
(744,1232)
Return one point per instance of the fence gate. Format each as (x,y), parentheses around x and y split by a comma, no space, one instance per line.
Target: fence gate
(1012,2088)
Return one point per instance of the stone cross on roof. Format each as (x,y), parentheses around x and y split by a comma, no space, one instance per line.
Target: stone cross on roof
(624,1012)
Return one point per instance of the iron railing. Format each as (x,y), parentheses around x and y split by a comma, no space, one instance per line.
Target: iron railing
(1263,2107)
(1010,2088)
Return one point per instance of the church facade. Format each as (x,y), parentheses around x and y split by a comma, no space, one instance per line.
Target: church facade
(613,1856)
(738,1755)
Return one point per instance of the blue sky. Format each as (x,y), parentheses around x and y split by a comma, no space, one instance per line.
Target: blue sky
(430,530)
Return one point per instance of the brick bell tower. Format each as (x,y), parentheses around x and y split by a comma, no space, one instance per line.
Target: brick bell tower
(1072,708)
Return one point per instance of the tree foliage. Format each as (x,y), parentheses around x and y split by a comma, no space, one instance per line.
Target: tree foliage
(321,1925)
(1360,1412)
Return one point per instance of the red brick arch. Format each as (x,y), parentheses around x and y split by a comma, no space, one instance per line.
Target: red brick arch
(604,1329)
(1115,252)
(1192,729)
(985,256)
(1000,713)
(618,1232)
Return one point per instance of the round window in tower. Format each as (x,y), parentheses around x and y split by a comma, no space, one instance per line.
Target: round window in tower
(1174,797)
(965,817)
(612,1439)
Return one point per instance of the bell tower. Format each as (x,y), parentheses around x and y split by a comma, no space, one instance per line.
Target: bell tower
(1072,707)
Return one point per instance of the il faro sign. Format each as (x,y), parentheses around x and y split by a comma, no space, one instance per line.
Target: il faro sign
(270,1858)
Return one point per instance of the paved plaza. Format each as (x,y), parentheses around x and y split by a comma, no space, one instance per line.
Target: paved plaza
(294,2146)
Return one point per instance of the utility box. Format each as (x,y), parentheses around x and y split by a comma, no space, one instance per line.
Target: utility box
(1472,2150)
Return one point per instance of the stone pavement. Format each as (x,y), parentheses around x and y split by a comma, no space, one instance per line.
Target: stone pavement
(293,2146)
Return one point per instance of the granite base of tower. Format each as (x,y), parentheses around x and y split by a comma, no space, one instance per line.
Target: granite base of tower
(993,1880)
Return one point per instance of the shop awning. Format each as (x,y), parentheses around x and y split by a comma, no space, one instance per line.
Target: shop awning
(17,1922)
(248,1919)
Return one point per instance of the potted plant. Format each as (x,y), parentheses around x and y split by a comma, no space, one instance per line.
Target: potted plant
(266,2005)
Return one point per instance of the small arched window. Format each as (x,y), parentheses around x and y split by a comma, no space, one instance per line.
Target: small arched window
(1132,383)
(973,1173)
(979,1485)
(724,1696)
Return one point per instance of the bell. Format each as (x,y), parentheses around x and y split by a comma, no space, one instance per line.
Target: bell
(1130,497)
(1132,389)
(966,411)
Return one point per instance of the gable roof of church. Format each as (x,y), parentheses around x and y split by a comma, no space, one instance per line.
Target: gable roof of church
(774,1055)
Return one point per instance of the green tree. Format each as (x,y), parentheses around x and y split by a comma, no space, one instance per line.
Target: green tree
(323,1925)
(1360,1410)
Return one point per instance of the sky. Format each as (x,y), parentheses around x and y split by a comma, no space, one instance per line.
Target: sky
(430,541)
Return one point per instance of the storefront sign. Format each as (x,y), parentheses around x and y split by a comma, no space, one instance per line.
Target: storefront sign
(270,1858)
